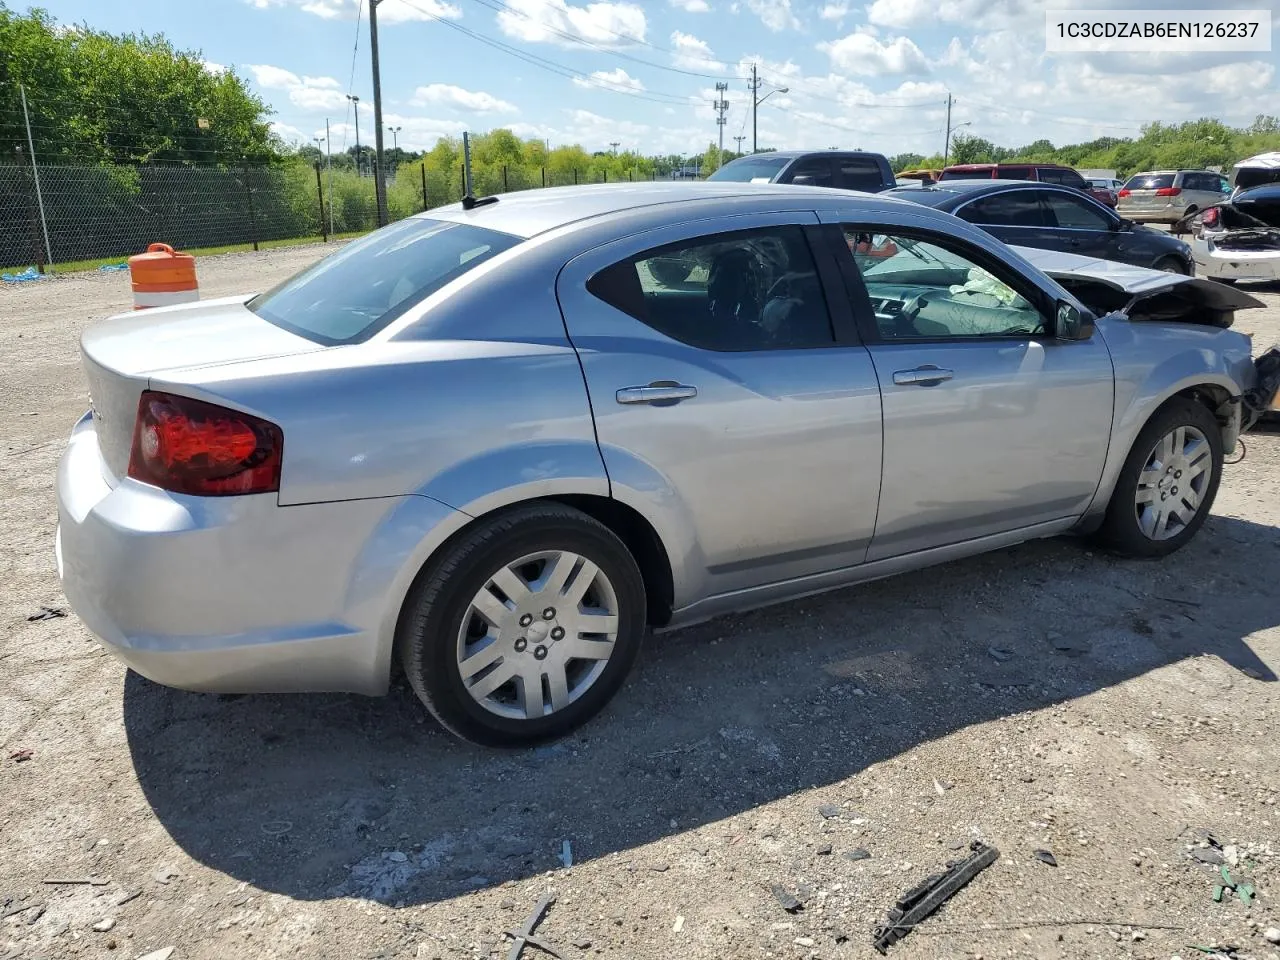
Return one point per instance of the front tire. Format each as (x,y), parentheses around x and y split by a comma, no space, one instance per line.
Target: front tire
(1168,482)
(1171,265)
(525,628)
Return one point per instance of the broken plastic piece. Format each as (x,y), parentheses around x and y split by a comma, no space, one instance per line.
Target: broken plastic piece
(920,901)
(524,936)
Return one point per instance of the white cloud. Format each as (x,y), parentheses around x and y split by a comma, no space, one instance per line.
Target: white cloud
(835,11)
(610,79)
(775,14)
(314,94)
(691,6)
(288,133)
(562,23)
(214,68)
(862,54)
(476,101)
(416,133)
(389,11)
(690,53)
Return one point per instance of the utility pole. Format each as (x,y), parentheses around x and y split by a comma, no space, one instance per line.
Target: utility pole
(946,146)
(740,139)
(755,103)
(355,102)
(328,169)
(379,178)
(721,106)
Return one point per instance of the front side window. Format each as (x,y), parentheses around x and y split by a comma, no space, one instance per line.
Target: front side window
(816,172)
(350,295)
(741,291)
(1075,213)
(923,290)
(1018,208)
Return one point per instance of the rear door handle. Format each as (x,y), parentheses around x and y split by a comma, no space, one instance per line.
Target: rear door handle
(926,376)
(658,393)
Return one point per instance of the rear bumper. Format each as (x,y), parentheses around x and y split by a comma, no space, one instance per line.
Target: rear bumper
(1212,261)
(1165,214)
(233,594)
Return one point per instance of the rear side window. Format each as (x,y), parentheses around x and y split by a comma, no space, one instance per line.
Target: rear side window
(1149,181)
(730,292)
(859,173)
(966,175)
(352,294)
(1018,208)
(1016,173)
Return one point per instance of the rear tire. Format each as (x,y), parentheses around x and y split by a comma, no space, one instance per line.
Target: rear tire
(1168,482)
(525,628)
(1171,265)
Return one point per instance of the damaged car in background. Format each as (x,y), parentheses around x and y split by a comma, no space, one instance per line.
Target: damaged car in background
(1239,239)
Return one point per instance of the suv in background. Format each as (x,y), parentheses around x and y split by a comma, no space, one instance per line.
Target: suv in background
(1039,172)
(1167,196)
(842,169)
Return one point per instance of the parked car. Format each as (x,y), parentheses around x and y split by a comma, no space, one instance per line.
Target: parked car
(1255,172)
(1239,239)
(488,443)
(1104,190)
(1055,218)
(1167,196)
(1039,172)
(922,175)
(842,169)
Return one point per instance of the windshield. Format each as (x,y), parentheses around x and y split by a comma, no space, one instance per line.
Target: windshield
(748,169)
(1149,181)
(350,295)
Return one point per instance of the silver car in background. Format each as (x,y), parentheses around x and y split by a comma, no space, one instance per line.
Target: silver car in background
(500,441)
(1167,196)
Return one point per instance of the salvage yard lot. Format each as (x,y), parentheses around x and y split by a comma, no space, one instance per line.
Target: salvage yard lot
(1042,697)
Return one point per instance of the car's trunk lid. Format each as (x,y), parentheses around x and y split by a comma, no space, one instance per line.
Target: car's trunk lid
(121,355)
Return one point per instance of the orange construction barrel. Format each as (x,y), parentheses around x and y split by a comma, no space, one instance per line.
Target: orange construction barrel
(161,276)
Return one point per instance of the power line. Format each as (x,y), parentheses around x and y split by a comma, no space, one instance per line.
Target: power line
(499,6)
(351,83)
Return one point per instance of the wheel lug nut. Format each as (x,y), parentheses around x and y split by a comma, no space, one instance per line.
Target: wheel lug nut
(540,653)
(549,613)
(526,620)
(557,633)
(521,644)
(1177,474)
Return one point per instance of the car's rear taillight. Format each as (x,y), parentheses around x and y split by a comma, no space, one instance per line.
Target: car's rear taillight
(1124,193)
(1168,191)
(1210,217)
(192,447)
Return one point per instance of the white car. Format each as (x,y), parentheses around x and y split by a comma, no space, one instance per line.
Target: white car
(1239,239)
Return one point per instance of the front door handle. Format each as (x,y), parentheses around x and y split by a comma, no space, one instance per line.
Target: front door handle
(658,393)
(926,376)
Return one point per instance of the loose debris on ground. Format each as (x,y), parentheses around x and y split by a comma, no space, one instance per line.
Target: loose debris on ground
(927,897)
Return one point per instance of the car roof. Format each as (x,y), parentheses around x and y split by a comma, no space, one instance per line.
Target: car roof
(933,195)
(531,212)
(988,185)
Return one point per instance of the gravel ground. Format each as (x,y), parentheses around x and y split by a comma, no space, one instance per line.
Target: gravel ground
(1129,711)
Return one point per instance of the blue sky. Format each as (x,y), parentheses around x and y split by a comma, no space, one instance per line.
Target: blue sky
(859,73)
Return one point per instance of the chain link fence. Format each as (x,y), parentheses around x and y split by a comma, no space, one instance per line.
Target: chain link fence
(77,213)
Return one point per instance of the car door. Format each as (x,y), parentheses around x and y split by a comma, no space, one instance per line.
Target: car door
(1080,224)
(1015,216)
(730,403)
(991,424)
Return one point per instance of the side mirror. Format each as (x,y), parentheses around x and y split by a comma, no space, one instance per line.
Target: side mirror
(1071,324)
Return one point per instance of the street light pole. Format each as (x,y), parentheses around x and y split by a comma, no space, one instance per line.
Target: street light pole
(379,181)
(355,102)
(755,104)
(395,138)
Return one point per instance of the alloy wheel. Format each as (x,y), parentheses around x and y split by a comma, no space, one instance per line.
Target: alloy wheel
(1173,482)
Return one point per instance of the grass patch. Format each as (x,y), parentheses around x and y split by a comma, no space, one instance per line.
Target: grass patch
(77,266)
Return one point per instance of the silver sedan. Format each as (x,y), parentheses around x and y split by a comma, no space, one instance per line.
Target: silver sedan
(501,441)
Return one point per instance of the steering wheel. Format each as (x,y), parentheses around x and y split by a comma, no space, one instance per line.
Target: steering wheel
(911,309)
